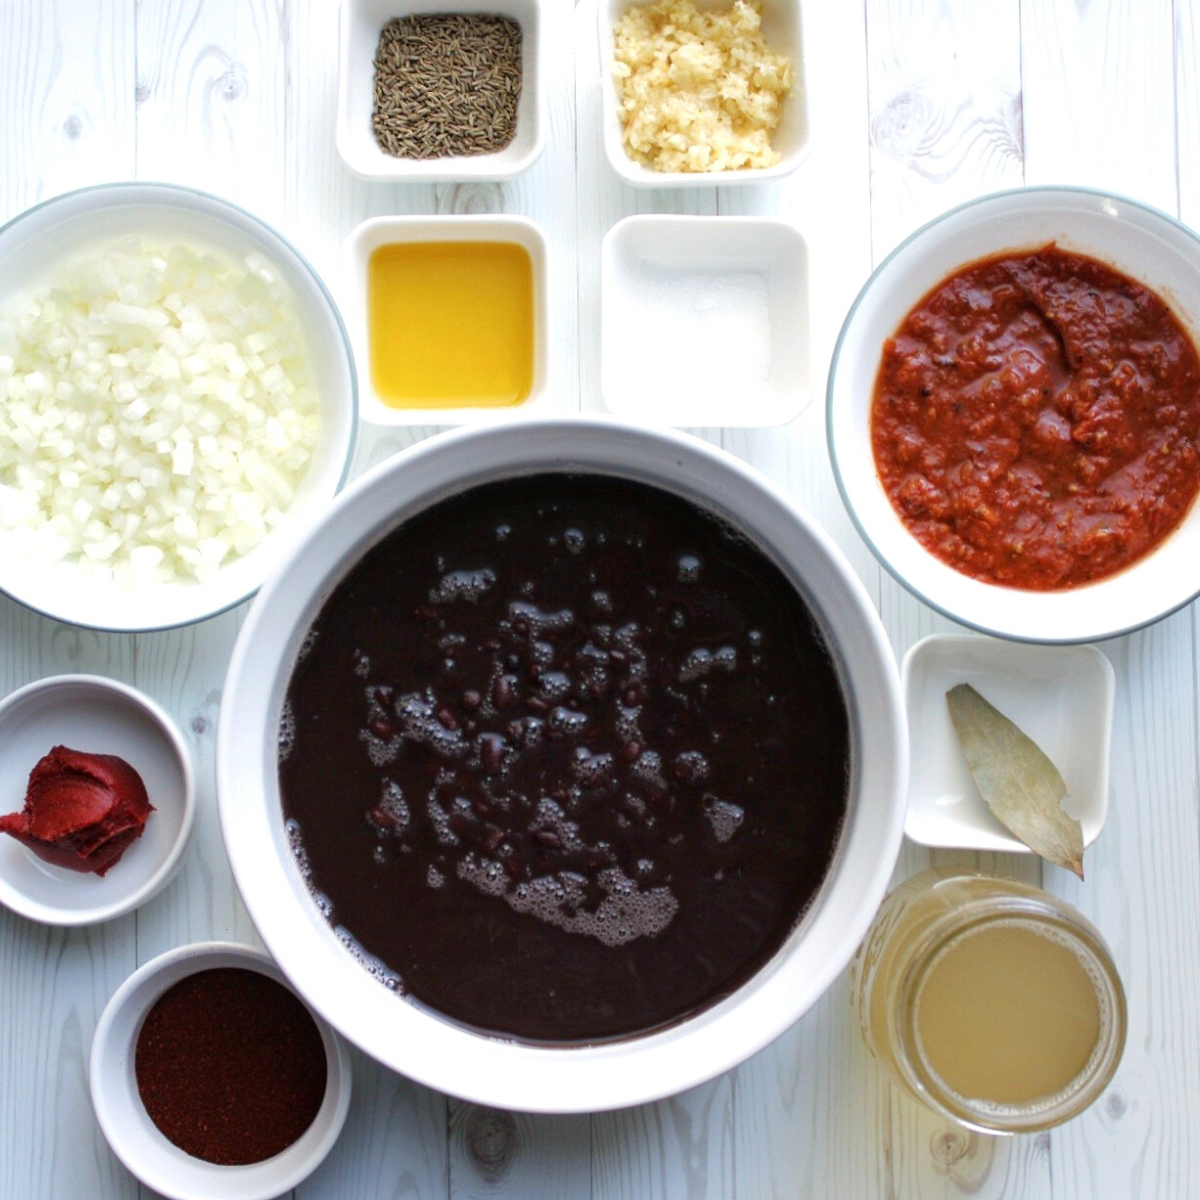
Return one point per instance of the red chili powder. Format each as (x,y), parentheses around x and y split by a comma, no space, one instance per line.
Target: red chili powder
(230,1066)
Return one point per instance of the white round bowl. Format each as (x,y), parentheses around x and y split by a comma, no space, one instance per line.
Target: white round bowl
(139,1143)
(435,1051)
(31,247)
(1137,240)
(98,716)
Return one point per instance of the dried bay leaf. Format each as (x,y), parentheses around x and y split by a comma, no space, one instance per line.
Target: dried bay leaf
(1021,785)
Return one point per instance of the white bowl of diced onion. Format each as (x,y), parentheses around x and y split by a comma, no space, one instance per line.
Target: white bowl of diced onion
(177,404)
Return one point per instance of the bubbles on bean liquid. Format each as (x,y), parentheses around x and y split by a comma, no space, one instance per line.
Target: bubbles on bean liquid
(466,586)
(295,840)
(574,540)
(287,732)
(688,568)
(725,818)
(700,662)
(306,646)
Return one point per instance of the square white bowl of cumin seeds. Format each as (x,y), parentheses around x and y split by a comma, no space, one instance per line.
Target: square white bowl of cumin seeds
(439,120)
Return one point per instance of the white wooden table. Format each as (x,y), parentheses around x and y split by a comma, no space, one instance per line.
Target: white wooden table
(916,105)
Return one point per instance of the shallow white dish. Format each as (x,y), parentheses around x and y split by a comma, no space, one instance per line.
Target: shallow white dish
(1141,242)
(32,244)
(361,24)
(674,285)
(383,231)
(98,716)
(1060,696)
(134,1137)
(781,26)
(421,1044)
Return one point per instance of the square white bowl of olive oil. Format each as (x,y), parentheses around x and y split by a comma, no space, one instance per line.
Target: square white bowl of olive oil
(448,318)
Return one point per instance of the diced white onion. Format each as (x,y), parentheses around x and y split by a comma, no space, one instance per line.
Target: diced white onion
(157,412)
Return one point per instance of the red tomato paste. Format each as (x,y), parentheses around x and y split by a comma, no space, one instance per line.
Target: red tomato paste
(1036,419)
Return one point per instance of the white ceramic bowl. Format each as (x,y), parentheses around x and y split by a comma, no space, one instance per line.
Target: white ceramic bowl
(704,320)
(782,30)
(31,247)
(383,231)
(1061,696)
(362,21)
(435,1051)
(98,716)
(134,1137)
(1137,240)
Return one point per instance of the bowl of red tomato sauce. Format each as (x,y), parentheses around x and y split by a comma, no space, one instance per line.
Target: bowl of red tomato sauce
(1014,414)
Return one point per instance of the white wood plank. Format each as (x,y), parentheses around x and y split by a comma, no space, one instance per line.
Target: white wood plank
(66,97)
(66,119)
(946,109)
(496,1154)
(677,1149)
(394,1143)
(1100,76)
(1187,111)
(1103,78)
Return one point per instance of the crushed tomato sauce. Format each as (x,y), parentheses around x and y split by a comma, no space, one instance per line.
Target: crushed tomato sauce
(1036,419)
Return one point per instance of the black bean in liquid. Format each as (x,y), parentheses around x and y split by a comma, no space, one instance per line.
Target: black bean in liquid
(596,818)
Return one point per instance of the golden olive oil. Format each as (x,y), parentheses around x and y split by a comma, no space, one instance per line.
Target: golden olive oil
(451,324)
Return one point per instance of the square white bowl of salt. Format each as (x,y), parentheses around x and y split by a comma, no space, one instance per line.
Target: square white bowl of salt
(704,321)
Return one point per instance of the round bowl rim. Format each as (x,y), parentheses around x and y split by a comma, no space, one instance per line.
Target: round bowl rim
(67,918)
(549,1079)
(1020,197)
(110,1067)
(148,190)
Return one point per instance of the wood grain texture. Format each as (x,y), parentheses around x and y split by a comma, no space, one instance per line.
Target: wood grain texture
(915,105)
(946,109)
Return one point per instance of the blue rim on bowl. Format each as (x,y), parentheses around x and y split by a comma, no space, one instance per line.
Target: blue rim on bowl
(29,245)
(1140,241)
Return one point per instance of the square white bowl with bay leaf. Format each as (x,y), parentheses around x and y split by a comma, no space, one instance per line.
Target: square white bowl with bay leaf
(362,21)
(1060,696)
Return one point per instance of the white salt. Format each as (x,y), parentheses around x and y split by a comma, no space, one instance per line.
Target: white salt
(706,332)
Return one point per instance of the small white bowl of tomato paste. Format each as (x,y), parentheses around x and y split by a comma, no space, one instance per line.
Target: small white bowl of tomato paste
(1014,414)
(99,799)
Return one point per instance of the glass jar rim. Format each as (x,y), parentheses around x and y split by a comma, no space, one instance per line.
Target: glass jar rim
(1061,922)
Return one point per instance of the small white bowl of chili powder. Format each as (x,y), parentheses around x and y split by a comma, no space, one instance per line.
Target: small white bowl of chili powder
(1014,414)
(211,1077)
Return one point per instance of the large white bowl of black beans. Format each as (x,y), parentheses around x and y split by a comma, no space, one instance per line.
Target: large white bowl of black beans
(211,1077)
(563,766)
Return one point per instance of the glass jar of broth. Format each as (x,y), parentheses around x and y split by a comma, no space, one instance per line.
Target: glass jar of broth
(991,1001)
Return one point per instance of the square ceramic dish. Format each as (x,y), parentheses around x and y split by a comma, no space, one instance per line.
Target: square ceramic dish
(361,24)
(385,231)
(782,33)
(704,321)
(1060,696)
